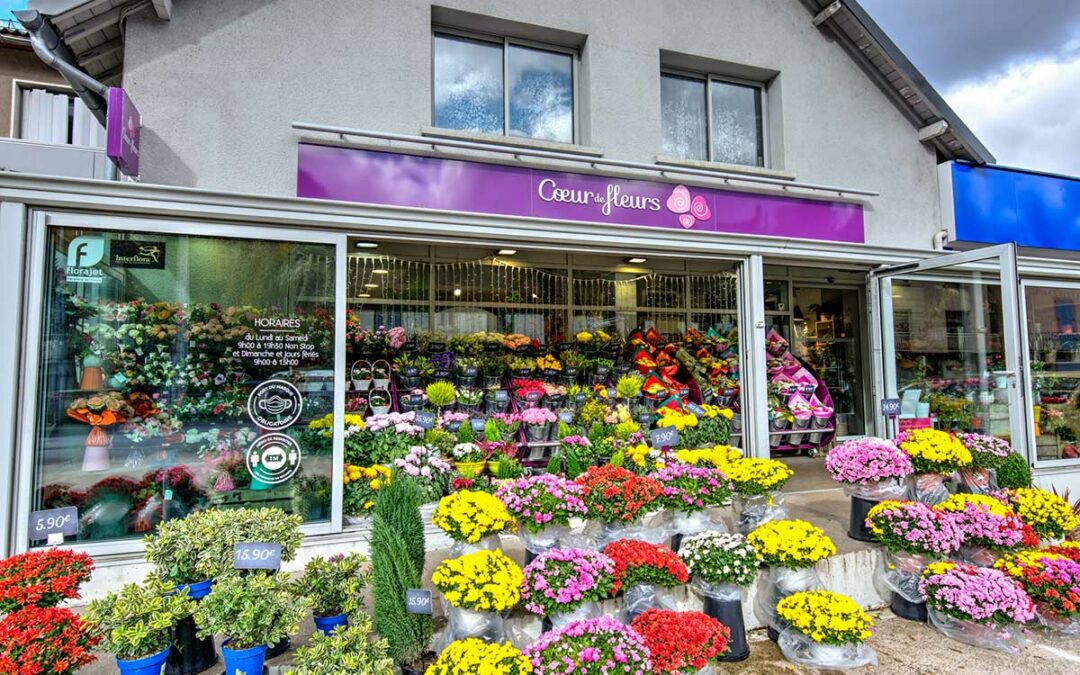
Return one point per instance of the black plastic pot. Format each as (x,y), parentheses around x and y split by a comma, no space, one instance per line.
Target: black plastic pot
(529,556)
(912,611)
(729,613)
(774,634)
(676,542)
(857,521)
(280,648)
(419,668)
(190,655)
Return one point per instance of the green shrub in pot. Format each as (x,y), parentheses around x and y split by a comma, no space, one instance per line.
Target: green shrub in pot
(348,650)
(134,622)
(335,585)
(249,611)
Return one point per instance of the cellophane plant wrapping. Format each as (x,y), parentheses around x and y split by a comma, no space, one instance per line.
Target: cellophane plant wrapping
(349,649)
(542,501)
(914,527)
(756,476)
(720,558)
(484,581)
(639,562)
(44,641)
(561,580)
(790,543)
(1048,514)
(469,516)
(934,451)
(979,594)
(473,655)
(613,494)
(681,642)
(42,578)
(987,452)
(692,488)
(335,585)
(135,621)
(1051,580)
(863,461)
(825,617)
(600,646)
(984,521)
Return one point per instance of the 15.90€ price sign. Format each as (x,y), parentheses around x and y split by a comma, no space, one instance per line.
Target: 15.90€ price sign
(255,555)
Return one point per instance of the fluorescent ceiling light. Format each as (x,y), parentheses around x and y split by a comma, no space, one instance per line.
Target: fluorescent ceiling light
(366,244)
(371,285)
(635,260)
(507,251)
(380,271)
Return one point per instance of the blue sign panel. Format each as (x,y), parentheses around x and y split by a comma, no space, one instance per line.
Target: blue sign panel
(994,205)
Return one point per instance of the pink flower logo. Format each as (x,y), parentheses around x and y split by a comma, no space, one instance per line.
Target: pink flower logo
(690,210)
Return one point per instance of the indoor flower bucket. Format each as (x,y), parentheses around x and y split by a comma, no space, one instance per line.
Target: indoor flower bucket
(148,665)
(243,661)
(327,624)
(538,432)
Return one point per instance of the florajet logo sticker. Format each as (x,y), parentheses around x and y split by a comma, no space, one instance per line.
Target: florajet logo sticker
(83,254)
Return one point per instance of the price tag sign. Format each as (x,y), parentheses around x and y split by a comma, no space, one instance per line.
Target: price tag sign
(417,601)
(477,424)
(580,397)
(409,346)
(63,522)
(437,347)
(424,419)
(611,392)
(696,409)
(602,371)
(563,346)
(667,437)
(492,348)
(570,372)
(253,555)
(469,371)
(566,417)
(890,407)
(411,371)
(532,396)
(645,418)
(501,395)
(441,374)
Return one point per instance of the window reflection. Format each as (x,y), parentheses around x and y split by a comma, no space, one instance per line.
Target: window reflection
(737,136)
(468,81)
(682,101)
(541,94)
(1054,358)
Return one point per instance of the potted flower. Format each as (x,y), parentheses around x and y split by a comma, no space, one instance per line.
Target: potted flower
(825,630)
(914,535)
(870,469)
(978,606)
(988,528)
(334,588)
(757,482)
(469,458)
(251,613)
(347,650)
(441,395)
(506,426)
(595,646)
(474,656)
(713,428)
(681,642)
(477,587)
(42,578)
(408,370)
(538,423)
(641,568)
(452,421)
(934,454)
(379,401)
(575,454)
(466,370)
(987,452)
(721,565)
(628,388)
(49,640)
(565,585)
(617,497)
(491,371)
(689,491)
(543,506)
(134,624)
(790,549)
(469,400)
(1052,581)
(430,472)
(1048,514)
(472,517)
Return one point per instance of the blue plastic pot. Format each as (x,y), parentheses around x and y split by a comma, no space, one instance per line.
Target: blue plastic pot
(244,661)
(198,590)
(327,624)
(148,665)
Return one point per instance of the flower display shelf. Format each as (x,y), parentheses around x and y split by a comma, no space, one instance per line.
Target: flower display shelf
(276,497)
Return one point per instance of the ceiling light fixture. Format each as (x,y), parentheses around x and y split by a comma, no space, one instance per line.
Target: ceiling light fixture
(457,292)
(366,244)
(507,251)
(380,271)
(365,295)
(634,260)
(371,285)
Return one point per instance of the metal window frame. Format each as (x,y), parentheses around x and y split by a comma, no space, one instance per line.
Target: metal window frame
(32,348)
(18,86)
(506,42)
(709,79)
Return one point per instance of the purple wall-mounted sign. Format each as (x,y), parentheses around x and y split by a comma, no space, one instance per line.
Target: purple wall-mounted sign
(122,132)
(372,177)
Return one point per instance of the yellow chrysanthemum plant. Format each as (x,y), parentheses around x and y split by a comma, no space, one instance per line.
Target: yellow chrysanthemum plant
(1048,514)
(473,656)
(825,617)
(934,451)
(754,476)
(794,544)
(469,516)
(718,456)
(484,581)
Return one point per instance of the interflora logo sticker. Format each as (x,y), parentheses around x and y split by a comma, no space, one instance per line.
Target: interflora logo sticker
(273,458)
(275,404)
(690,210)
(83,255)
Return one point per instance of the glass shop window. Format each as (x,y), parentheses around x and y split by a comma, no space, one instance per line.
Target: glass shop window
(1054,365)
(181,372)
(713,119)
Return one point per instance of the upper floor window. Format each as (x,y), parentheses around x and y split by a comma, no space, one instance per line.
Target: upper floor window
(53,114)
(503,86)
(713,119)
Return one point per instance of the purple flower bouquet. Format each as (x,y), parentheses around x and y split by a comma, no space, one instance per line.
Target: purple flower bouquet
(567,582)
(870,468)
(600,646)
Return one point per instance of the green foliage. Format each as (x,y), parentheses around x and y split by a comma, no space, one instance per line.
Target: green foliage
(554,465)
(629,385)
(397,555)
(1014,472)
(135,622)
(200,546)
(508,468)
(441,440)
(491,431)
(335,585)
(618,459)
(440,394)
(349,649)
(465,433)
(258,609)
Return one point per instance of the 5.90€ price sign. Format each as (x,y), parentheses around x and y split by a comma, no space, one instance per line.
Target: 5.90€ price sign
(63,522)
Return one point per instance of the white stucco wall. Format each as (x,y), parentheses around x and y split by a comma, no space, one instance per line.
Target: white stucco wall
(219,85)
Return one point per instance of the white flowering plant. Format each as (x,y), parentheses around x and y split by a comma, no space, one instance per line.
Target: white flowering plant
(720,558)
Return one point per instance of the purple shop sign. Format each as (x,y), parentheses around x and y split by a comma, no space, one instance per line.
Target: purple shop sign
(122,132)
(372,177)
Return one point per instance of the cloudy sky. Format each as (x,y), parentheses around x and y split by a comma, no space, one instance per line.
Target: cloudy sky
(1009,68)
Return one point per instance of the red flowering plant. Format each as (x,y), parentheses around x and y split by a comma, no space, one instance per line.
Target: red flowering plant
(1051,580)
(44,641)
(639,562)
(681,642)
(614,494)
(42,578)
(523,387)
